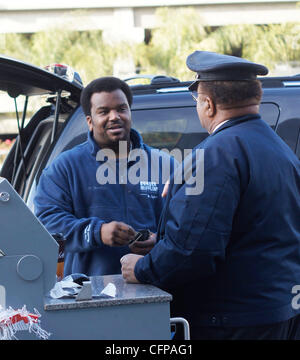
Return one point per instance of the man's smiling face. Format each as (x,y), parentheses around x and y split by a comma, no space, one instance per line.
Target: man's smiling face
(110,118)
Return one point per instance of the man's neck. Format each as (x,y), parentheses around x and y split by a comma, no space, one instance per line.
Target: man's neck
(225,114)
(120,149)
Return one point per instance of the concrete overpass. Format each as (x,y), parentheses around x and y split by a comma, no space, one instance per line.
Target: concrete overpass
(135,16)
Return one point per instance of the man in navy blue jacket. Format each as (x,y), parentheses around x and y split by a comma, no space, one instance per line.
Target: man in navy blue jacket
(92,195)
(231,255)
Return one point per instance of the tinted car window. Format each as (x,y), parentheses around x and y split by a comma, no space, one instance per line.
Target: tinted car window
(169,128)
(269,113)
(180,127)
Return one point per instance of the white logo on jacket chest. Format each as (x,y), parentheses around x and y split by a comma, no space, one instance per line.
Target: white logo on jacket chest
(149,188)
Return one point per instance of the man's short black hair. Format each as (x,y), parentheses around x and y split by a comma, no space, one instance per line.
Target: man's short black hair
(232,92)
(107,84)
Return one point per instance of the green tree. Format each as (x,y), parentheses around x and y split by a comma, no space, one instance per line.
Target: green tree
(84,51)
(177,34)
(236,40)
(281,43)
(15,45)
(269,45)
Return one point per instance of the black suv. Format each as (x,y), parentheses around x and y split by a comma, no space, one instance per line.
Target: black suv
(163,112)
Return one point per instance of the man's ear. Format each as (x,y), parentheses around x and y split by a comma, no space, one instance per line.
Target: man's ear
(210,106)
(89,122)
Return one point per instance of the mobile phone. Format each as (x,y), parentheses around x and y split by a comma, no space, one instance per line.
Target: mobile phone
(141,235)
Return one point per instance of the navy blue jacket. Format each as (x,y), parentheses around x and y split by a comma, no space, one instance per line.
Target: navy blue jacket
(231,255)
(70,200)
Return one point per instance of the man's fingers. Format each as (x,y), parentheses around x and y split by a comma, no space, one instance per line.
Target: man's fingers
(117,233)
(123,233)
(143,247)
(165,189)
(126,231)
(128,263)
(145,243)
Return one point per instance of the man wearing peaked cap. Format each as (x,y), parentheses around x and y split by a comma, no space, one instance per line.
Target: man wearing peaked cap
(230,255)
(211,66)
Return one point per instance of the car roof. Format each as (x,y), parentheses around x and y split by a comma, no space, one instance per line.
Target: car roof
(20,78)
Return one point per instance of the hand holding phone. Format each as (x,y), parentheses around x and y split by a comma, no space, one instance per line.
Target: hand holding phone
(143,243)
(141,235)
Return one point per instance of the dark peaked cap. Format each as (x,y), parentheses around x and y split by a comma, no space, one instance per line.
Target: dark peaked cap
(211,66)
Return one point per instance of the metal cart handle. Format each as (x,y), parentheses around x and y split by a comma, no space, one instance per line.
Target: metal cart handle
(185,324)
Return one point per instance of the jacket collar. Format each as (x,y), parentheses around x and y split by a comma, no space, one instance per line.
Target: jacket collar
(235,121)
